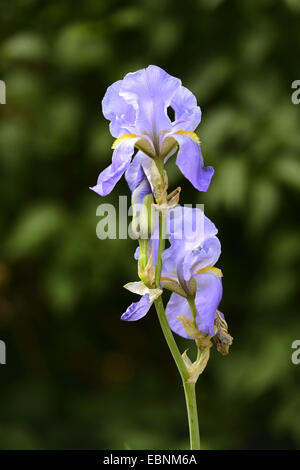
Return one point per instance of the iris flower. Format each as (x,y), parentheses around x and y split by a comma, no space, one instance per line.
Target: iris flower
(191,256)
(197,266)
(137,108)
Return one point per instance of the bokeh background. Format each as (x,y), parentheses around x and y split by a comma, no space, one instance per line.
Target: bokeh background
(76,377)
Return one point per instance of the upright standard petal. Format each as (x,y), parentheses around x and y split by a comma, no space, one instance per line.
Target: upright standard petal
(187,112)
(150,92)
(138,309)
(109,177)
(189,225)
(120,114)
(197,260)
(190,162)
(189,228)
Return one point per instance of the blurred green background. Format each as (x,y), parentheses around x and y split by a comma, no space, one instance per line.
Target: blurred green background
(76,377)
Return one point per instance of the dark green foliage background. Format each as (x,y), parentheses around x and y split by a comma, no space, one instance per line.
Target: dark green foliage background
(76,377)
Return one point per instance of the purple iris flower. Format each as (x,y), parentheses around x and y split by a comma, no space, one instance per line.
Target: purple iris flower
(137,108)
(198,265)
(192,255)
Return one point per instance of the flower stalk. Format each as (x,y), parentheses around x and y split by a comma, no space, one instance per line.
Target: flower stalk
(191,405)
(189,388)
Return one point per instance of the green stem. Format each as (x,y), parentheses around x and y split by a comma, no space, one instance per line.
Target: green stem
(191,404)
(189,389)
(170,339)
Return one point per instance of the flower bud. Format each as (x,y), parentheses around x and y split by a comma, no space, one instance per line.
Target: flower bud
(142,207)
(147,216)
(146,271)
(143,216)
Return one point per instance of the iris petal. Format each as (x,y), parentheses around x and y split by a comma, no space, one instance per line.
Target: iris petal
(189,228)
(208,297)
(141,189)
(138,309)
(187,113)
(109,177)
(190,162)
(178,305)
(121,115)
(131,175)
(150,92)
(200,259)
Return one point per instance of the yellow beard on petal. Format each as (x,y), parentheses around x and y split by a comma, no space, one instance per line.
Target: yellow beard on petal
(119,140)
(142,144)
(211,270)
(166,279)
(191,135)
